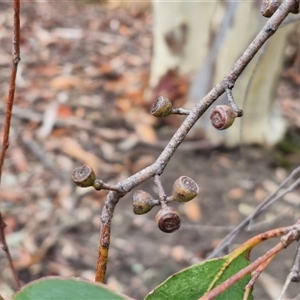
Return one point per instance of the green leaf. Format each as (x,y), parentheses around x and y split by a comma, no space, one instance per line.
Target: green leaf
(54,288)
(193,282)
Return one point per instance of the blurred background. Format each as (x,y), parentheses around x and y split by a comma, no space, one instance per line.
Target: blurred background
(88,75)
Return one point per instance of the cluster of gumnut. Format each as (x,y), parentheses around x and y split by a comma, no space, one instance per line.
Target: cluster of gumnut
(167,218)
(221,116)
(184,188)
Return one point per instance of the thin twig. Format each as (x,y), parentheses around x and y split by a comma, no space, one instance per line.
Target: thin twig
(284,242)
(11,94)
(161,192)
(100,185)
(235,108)
(159,165)
(181,111)
(294,273)
(4,247)
(255,275)
(9,106)
(260,208)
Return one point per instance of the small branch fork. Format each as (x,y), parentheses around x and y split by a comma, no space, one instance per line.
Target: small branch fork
(254,276)
(260,263)
(9,106)
(159,165)
(161,192)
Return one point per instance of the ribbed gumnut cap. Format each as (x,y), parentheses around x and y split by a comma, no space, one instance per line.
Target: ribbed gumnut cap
(142,202)
(168,219)
(222,117)
(84,176)
(162,107)
(184,189)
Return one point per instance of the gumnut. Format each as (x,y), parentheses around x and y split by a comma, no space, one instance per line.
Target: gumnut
(269,7)
(222,117)
(162,107)
(168,219)
(184,189)
(142,202)
(84,176)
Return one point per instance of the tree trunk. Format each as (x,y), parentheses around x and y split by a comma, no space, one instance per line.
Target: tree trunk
(205,39)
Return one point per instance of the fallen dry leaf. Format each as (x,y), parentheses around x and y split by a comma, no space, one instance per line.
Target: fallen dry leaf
(64,111)
(146,133)
(192,211)
(19,158)
(178,253)
(236,194)
(260,194)
(64,82)
(67,82)
(143,162)
(72,148)
(8,194)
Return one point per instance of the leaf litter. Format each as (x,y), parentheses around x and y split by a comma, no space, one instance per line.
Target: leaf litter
(80,99)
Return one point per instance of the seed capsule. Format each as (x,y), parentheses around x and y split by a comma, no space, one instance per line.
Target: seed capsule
(222,117)
(142,202)
(168,219)
(184,189)
(84,176)
(162,107)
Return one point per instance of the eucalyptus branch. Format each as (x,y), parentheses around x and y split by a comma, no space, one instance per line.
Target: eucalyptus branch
(157,168)
(11,94)
(9,106)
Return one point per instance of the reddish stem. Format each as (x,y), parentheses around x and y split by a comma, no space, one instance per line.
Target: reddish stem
(9,106)
(285,241)
(11,94)
(4,246)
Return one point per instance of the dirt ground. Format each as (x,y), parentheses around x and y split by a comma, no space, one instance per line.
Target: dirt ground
(79,101)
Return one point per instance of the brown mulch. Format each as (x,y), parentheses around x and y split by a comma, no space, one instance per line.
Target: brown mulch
(79,100)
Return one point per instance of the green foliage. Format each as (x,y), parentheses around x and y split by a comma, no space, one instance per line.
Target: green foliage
(195,281)
(188,284)
(67,289)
